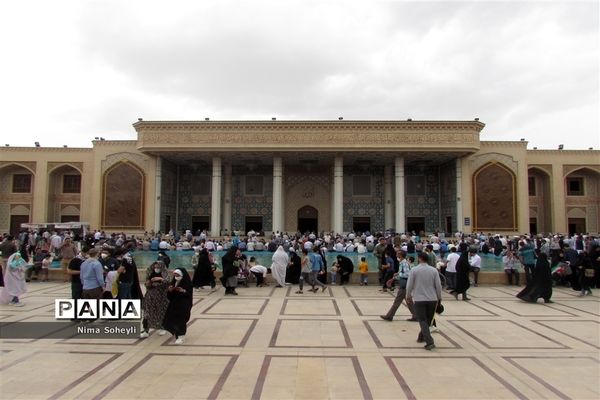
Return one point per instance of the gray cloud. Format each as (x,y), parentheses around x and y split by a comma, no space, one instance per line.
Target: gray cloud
(512,64)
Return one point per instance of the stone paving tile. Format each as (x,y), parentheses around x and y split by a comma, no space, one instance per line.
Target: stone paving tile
(272,343)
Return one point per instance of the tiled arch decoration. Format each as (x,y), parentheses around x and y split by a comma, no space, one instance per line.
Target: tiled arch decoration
(494,198)
(123,196)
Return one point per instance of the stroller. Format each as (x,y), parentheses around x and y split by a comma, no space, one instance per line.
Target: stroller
(243,274)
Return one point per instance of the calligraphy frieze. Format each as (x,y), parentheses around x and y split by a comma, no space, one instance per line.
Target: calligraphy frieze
(467,140)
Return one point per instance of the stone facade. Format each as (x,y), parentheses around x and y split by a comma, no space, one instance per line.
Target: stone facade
(166,178)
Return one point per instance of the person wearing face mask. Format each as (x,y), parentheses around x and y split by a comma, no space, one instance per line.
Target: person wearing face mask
(14,281)
(109,263)
(179,293)
(74,270)
(155,302)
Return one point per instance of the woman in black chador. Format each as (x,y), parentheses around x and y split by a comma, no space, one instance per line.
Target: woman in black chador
(346,268)
(462,275)
(293,272)
(180,298)
(541,284)
(230,263)
(204,273)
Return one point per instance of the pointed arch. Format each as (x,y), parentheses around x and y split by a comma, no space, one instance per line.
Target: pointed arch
(494,198)
(123,196)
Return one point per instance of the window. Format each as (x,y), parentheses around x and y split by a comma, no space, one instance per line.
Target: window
(574,186)
(361,185)
(254,185)
(531,183)
(415,185)
(201,185)
(21,183)
(71,183)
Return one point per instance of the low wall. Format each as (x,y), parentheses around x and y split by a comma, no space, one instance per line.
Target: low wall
(490,278)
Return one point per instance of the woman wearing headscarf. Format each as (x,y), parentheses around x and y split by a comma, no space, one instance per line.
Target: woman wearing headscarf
(294,268)
(14,281)
(279,266)
(230,270)
(164,258)
(541,284)
(180,296)
(204,273)
(462,276)
(155,302)
(346,268)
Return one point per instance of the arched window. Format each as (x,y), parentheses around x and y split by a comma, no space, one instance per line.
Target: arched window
(123,195)
(494,198)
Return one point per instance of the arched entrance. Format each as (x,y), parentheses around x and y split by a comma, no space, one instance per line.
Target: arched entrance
(308,219)
(494,198)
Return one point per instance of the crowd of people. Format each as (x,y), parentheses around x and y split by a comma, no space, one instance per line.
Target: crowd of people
(102,266)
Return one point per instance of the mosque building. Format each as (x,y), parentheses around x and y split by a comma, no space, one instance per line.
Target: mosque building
(275,175)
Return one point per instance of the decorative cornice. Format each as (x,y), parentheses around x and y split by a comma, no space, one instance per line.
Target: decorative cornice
(113,142)
(508,143)
(348,125)
(295,136)
(557,152)
(45,149)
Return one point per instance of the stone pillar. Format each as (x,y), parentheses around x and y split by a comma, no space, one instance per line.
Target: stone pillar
(400,212)
(459,197)
(559,209)
(277,195)
(215,205)
(338,195)
(227,198)
(40,193)
(388,210)
(157,193)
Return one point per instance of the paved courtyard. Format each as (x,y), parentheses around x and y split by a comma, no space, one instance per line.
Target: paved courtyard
(271,343)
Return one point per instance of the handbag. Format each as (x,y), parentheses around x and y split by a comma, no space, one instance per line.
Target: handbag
(114,288)
(589,273)
(439,309)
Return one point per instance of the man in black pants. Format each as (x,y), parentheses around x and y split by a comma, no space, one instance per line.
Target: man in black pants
(424,289)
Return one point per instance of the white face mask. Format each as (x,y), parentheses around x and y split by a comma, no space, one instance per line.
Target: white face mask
(157,270)
(104,255)
(178,278)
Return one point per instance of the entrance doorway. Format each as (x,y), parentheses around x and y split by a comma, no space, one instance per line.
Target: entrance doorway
(200,223)
(361,224)
(449,228)
(576,225)
(308,219)
(15,223)
(533,226)
(69,218)
(415,224)
(254,224)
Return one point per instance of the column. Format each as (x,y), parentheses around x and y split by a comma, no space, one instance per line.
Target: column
(559,209)
(40,193)
(157,193)
(399,195)
(215,204)
(387,197)
(459,195)
(277,195)
(338,195)
(227,198)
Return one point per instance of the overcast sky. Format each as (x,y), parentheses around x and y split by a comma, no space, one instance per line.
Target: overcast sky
(73,70)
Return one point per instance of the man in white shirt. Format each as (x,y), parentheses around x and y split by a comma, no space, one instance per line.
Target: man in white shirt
(260,272)
(451,268)
(475,262)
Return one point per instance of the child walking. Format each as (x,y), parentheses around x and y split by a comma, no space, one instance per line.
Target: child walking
(363,268)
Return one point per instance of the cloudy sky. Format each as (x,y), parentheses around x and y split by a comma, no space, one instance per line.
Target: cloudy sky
(73,70)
